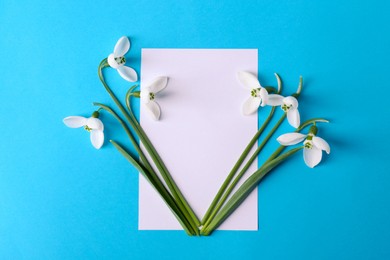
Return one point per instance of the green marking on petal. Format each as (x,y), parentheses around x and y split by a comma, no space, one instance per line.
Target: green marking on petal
(308,143)
(286,107)
(255,92)
(120,60)
(88,128)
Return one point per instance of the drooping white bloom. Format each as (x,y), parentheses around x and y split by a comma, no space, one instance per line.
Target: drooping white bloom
(259,95)
(117,60)
(289,105)
(148,95)
(91,124)
(313,146)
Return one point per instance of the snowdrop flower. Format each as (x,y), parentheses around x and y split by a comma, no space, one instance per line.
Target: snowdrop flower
(93,125)
(313,145)
(117,60)
(289,105)
(259,95)
(148,95)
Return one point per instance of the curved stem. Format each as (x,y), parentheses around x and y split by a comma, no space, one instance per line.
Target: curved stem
(236,167)
(311,121)
(243,171)
(160,164)
(128,102)
(125,127)
(150,149)
(216,208)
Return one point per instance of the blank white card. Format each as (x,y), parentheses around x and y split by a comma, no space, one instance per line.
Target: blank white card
(201,132)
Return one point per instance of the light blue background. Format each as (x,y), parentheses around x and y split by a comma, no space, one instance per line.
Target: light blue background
(62,199)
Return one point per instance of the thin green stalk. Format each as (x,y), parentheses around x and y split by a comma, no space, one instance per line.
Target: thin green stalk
(245,189)
(254,156)
(169,201)
(128,102)
(311,121)
(206,227)
(237,165)
(127,130)
(160,165)
(183,205)
(167,177)
(241,159)
(243,171)
(157,184)
(102,65)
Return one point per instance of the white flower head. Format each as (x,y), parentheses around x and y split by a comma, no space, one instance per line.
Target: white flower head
(148,95)
(92,124)
(117,60)
(289,105)
(313,146)
(259,95)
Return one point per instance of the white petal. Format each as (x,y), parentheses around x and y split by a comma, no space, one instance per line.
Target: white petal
(122,46)
(291,138)
(251,105)
(95,123)
(111,61)
(293,117)
(321,144)
(291,101)
(75,121)
(248,80)
(97,138)
(153,109)
(264,96)
(275,100)
(145,96)
(128,73)
(312,156)
(158,84)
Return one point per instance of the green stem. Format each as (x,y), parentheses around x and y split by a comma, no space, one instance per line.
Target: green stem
(151,176)
(235,168)
(243,171)
(166,196)
(232,173)
(254,156)
(311,121)
(150,149)
(128,102)
(104,64)
(160,164)
(245,189)
(206,228)
(126,128)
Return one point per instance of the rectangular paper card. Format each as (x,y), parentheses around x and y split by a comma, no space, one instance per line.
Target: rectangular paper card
(201,132)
